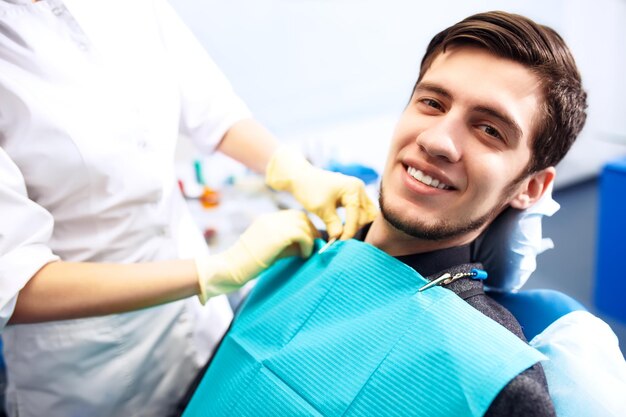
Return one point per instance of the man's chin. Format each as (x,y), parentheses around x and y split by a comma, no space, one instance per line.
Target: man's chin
(436,230)
(411,228)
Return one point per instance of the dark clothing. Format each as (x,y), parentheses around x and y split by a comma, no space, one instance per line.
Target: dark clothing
(527,394)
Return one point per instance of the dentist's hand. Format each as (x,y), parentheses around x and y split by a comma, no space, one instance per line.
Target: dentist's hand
(270,237)
(322,192)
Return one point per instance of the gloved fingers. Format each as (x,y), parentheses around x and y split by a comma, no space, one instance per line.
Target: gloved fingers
(306,240)
(360,210)
(298,233)
(334,226)
(269,237)
(369,210)
(321,192)
(353,213)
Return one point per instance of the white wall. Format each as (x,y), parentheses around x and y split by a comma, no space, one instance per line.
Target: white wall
(342,70)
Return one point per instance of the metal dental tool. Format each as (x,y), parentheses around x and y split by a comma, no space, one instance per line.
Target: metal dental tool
(327,245)
(447,278)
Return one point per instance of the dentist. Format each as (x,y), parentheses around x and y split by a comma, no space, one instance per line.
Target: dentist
(99,257)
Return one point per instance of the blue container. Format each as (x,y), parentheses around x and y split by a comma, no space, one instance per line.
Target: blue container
(610,289)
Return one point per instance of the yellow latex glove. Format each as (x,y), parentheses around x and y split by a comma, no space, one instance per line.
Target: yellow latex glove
(270,237)
(321,192)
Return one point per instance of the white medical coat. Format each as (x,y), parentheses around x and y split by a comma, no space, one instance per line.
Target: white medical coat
(93,96)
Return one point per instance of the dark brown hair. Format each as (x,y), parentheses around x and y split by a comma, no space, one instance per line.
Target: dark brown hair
(544,52)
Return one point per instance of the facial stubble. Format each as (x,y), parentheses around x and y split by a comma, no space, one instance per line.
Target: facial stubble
(443,229)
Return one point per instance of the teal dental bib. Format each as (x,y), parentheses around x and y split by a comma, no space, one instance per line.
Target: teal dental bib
(346,333)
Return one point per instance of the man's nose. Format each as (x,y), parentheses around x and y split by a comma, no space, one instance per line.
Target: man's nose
(440,140)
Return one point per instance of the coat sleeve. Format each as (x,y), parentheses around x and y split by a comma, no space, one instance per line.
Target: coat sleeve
(209,106)
(25,228)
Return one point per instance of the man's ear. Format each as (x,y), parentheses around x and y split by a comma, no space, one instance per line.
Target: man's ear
(532,188)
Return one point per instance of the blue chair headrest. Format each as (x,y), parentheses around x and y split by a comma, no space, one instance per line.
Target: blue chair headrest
(536,309)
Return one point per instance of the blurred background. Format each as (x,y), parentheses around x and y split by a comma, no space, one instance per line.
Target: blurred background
(332,76)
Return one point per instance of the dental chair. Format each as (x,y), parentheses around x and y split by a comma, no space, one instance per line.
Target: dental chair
(537,309)
(585,370)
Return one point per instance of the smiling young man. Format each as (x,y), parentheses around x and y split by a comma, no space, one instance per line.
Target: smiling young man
(460,152)
(497,104)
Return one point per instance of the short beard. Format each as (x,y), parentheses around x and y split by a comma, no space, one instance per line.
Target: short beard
(443,229)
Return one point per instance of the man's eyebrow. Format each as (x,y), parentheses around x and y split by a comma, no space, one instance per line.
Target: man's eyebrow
(504,118)
(433,88)
(487,110)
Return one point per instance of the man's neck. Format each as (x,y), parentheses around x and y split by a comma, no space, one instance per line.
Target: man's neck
(397,243)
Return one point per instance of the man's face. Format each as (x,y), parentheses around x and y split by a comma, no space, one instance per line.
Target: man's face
(460,146)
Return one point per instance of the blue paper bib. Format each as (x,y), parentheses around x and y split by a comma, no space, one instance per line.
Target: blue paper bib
(346,333)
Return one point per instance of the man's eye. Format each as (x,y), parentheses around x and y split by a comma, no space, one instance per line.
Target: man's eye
(491,131)
(432,103)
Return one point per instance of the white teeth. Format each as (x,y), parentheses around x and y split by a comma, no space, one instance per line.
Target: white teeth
(426,179)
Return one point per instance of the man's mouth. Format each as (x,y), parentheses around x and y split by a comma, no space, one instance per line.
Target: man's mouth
(427,179)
